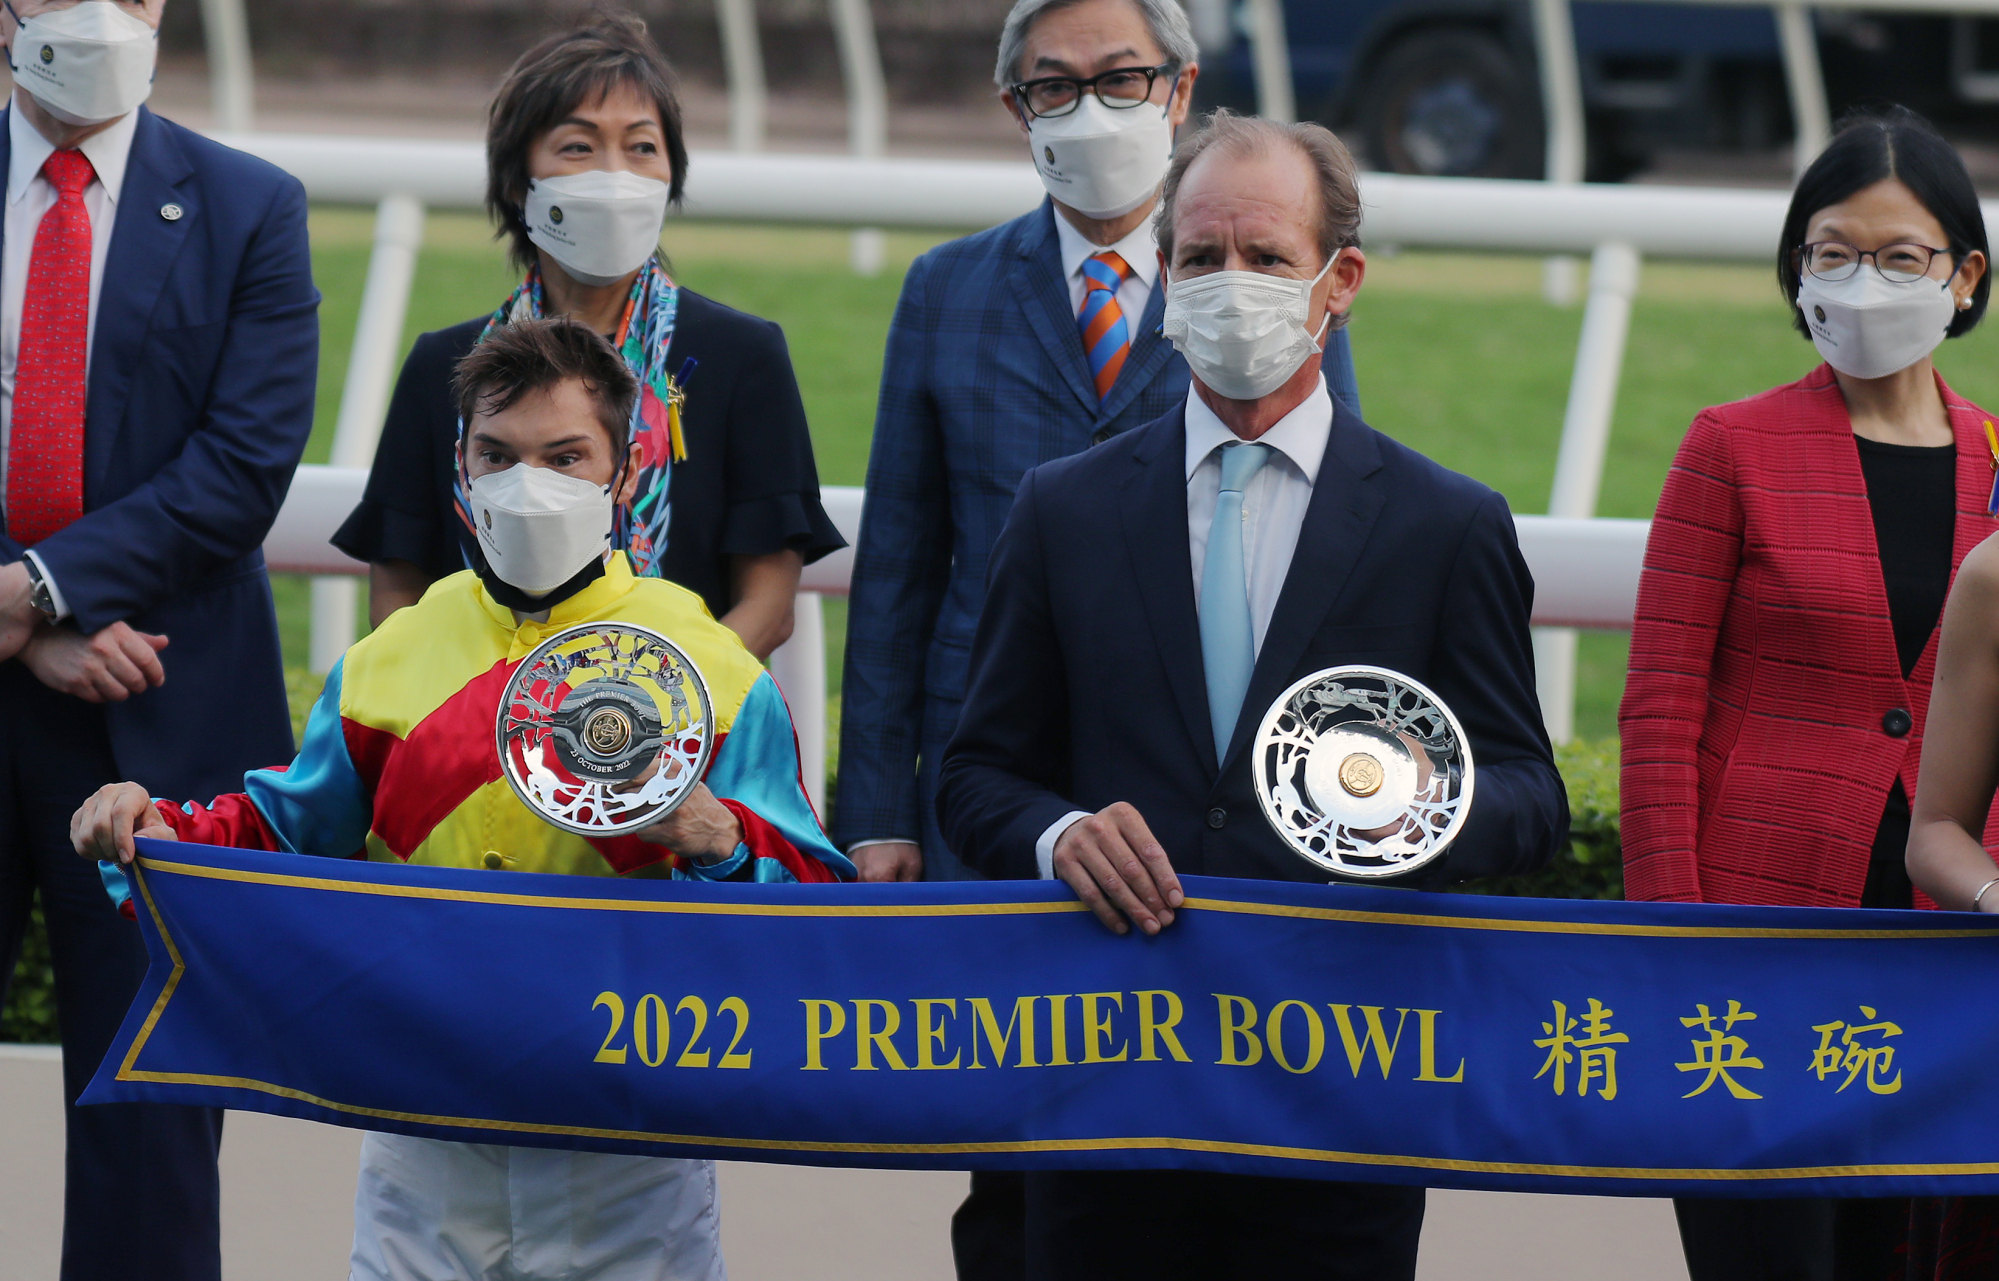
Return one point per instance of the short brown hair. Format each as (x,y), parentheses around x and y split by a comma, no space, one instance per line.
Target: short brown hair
(552,80)
(539,355)
(1332,164)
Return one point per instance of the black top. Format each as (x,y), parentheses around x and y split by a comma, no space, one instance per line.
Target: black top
(748,486)
(1912,490)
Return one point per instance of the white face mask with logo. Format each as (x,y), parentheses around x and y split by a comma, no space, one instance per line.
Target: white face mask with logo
(539,527)
(600,225)
(1243,333)
(1100,161)
(86,64)
(1867,326)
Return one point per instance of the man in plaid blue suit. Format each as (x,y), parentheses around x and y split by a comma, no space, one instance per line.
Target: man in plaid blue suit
(987,375)
(1031,341)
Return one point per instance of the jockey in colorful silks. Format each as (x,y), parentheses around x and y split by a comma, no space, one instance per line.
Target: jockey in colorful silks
(399,757)
(400,762)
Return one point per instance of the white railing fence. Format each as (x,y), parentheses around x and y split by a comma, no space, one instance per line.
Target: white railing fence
(1586,573)
(868,192)
(1616,226)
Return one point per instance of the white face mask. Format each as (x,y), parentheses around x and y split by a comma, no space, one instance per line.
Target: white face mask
(1867,326)
(600,225)
(86,64)
(1243,333)
(539,527)
(1101,161)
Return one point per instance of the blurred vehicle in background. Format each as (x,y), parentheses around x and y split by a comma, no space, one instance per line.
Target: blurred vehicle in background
(1450,87)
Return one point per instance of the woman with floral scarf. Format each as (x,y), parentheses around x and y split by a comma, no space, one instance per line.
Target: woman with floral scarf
(584,152)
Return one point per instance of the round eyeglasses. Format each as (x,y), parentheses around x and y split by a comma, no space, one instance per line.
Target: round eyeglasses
(1120,88)
(1902,263)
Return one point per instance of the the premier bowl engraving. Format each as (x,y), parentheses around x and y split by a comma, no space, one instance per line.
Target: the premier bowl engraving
(605,728)
(1363,772)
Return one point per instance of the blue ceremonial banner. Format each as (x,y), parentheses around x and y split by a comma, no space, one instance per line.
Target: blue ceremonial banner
(1317,1031)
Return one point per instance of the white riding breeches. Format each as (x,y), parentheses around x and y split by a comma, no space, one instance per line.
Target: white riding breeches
(429,1210)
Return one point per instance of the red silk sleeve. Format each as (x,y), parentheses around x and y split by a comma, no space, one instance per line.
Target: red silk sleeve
(230,820)
(765,841)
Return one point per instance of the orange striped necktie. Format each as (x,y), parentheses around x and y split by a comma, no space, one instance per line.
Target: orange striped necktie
(1106,337)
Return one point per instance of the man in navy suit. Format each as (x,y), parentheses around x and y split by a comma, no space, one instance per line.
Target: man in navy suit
(158,353)
(1149,599)
(1030,341)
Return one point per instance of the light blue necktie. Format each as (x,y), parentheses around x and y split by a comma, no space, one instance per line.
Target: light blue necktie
(1228,639)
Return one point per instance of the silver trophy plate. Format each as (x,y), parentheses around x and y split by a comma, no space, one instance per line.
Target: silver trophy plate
(1362,771)
(605,728)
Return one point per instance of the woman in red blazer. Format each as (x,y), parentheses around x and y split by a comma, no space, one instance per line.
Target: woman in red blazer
(1785,639)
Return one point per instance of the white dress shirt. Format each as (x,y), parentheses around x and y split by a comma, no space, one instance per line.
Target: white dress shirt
(1140,251)
(1273,512)
(29,196)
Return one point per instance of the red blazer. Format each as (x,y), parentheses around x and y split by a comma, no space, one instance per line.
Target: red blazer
(1758,717)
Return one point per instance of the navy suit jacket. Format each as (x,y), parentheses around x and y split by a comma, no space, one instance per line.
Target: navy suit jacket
(1086,679)
(985,377)
(202,372)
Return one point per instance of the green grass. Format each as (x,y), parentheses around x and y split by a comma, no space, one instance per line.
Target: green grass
(1458,354)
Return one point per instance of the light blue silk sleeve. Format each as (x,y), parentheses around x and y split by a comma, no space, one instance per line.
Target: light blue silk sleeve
(320,805)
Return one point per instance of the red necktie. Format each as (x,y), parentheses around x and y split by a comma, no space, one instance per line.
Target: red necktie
(45,449)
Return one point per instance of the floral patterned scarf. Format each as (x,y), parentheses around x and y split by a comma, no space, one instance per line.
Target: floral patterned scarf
(644,337)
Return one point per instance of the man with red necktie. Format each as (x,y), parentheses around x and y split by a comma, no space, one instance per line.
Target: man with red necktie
(1031,341)
(158,354)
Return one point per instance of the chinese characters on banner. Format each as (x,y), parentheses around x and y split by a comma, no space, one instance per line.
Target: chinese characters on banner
(1719,1051)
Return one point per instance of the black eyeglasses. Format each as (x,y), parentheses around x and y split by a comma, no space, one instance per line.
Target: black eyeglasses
(1833,260)
(1120,88)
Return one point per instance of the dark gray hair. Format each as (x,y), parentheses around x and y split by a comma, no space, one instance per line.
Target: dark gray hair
(1165,19)
(1332,166)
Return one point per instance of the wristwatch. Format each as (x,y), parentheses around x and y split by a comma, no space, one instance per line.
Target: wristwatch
(39,594)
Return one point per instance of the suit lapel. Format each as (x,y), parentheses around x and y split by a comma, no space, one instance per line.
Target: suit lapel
(144,247)
(1148,355)
(6,160)
(1043,292)
(1345,503)
(1154,508)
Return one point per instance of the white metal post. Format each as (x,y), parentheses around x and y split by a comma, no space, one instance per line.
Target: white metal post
(364,398)
(1810,112)
(799,668)
(867,111)
(743,64)
(1270,53)
(1562,110)
(1613,282)
(227,34)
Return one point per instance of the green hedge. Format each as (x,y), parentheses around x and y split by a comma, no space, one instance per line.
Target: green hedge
(1593,864)
(30,1010)
(1590,868)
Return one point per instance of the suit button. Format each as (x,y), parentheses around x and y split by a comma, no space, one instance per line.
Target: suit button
(1218,818)
(1100,435)
(1897,722)
(493,860)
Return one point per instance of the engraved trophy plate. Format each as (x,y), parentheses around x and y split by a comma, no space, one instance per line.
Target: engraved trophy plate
(605,728)
(1363,771)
